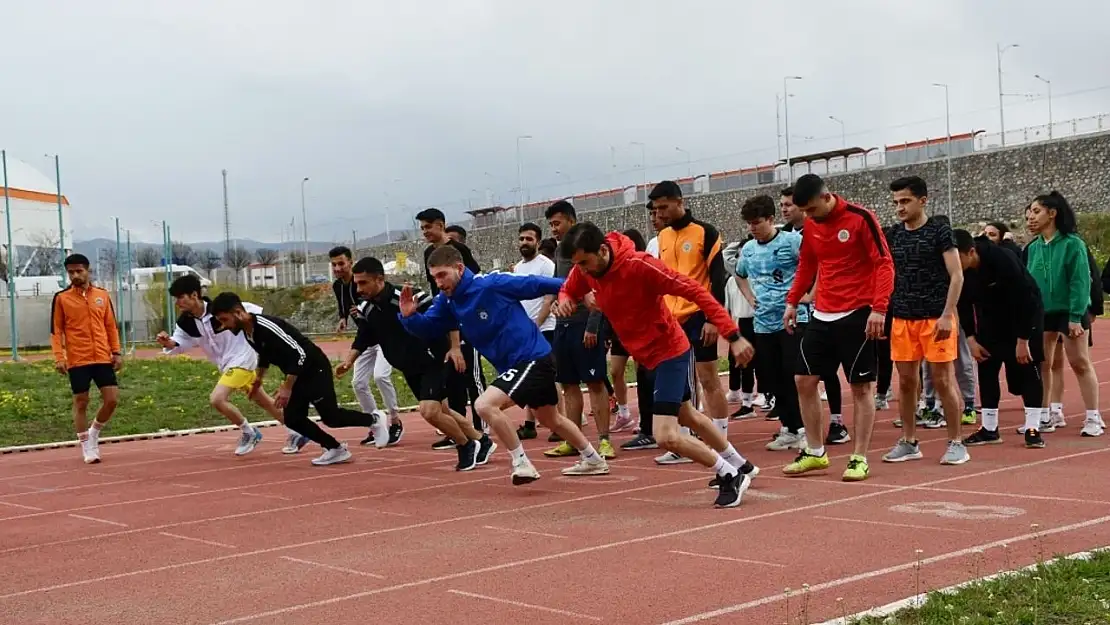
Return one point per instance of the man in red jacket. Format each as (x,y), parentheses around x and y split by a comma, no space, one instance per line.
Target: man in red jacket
(849,311)
(628,287)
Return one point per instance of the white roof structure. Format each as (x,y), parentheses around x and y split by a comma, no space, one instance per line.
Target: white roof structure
(33,198)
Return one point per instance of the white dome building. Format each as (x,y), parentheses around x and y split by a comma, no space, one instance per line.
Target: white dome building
(33,200)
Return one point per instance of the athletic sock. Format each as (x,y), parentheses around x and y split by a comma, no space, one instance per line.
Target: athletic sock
(590,454)
(1045,416)
(722,425)
(733,457)
(686,431)
(83,436)
(1056,408)
(1093,415)
(723,467)
(1033,418)
(246,426)
(838,419)
(517,454)
(622,410)
(94,431)
(817,451)
(990,418)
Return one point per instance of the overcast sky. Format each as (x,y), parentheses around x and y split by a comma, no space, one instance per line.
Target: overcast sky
(412,104)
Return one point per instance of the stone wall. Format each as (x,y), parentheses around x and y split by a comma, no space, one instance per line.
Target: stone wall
(989,185)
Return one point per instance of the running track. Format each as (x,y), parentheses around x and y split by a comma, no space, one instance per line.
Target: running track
(180,531)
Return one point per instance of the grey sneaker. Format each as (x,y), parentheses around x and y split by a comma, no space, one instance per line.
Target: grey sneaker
(903,451)
(956,454)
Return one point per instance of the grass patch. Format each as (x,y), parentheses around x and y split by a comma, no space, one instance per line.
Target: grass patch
(1061,592)
(168,392)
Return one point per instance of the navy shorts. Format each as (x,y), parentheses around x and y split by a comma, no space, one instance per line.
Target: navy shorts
(673,381)
(693,327)
(574,363)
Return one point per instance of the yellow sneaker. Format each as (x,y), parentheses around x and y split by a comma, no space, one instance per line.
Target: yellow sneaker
(563,449)
(857,469)
(805,463)
(605,449)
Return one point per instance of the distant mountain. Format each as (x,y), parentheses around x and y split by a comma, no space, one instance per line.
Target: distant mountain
(89,247)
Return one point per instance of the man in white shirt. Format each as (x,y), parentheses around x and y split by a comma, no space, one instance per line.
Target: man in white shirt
(533,263)
(232,355)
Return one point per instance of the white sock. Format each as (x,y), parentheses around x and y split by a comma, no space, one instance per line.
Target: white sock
(590,454)
(990,419)
(518,454)
(733,457)
(837,419)
(746,399)
(722,467)
(722,425)
(1056,408)
(246,426)
(622,410)
(94,431)
(1033,418)
(1045,416)
(686,431)
(1093,415)
(817,451)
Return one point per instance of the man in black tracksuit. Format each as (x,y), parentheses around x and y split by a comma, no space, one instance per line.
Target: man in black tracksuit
(1001,313)
(308,377)
(422,363)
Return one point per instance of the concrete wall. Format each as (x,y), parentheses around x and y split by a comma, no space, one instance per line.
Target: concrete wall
(986,185)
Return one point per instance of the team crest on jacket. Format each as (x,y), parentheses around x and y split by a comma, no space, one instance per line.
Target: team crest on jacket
(483,315)
(687,246)
(842,236)
(99,301)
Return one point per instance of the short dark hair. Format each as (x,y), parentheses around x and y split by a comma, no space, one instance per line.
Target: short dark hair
(369,265)
(548,246)
(444,255)
(225,302)
(562,206)
(806,188)
(340,250)
(758,207)
(943,218)
(964,240)
(459,230)
(585,237)
(533,228)
(668,189)
(431,215)
(787,192)
(184,285)
(77,259)
(1000,227)
(637,239)
(915,184)
(650,206)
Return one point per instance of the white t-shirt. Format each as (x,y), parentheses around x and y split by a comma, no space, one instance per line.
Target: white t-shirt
(538,266)
(653,247)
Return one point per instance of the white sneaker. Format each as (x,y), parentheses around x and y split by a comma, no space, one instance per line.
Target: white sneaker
(381,429)
(1093,426)
(524,472)
(587,467)
(733,397)
(248,441)
(760,401)
(785,440)
(294,442)
(90,449)
(333,456)
(672,458)
(1057,419)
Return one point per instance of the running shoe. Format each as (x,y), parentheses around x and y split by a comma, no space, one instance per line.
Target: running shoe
(956,453)
(640,442)
(605,449)
(806,462)
(333,456)
(468,456)
(744,412)
(527,431)
(396,433)
(857,470)
(486,447)
(983,436)
(838,434)
(672,458)
(1033,439)
(441,444)
(248,440)
(294,443)
(904,450)
(748,469)
(1093,426)
(732,489)
(624,422)
(90,450)
(562,450)
(788,440)
(588,467)
(524,472)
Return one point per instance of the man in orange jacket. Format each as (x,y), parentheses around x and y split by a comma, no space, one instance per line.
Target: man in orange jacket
(86,345)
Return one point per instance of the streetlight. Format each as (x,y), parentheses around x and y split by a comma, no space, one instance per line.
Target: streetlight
(948,145)
(61,225)
(14,331)
(1049,83)
(1001,117)
(843,138)
(643,165)
(520,178)
(689,168)
(304,227)
(786,123)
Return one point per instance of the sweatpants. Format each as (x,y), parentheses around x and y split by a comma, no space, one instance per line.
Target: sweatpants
(777,365)
(371,363)
(885,367)
(317,388)
(645,398)
(965,375)
(466,386)
(1024,380)
(742,378)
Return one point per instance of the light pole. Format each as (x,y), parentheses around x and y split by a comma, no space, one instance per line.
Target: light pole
(999,48)
(1049,83)
(643,166)
(786,123)
(304,228)
(689,167)
(948,144)
(129,337)
(14,328)
(843,137)
(61,224)
(520,178)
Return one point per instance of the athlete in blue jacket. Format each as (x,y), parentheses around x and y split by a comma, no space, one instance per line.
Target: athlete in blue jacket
(487,310)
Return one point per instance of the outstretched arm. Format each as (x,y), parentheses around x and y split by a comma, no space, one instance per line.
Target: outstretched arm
(655,274)
(436,320)
(523,287)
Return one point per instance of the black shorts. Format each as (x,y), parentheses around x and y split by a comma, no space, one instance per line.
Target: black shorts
(827,345)
(575,364)
(549,336)
(616,348)
(530,384)
(1058,322)
(692,327)
(81,378)
(429,384)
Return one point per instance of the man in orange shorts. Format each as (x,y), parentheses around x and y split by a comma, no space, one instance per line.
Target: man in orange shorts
(928,278)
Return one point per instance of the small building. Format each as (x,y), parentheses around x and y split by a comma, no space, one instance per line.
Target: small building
(262,276)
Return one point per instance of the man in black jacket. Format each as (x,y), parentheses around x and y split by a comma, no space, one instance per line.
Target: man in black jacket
(308,377)
(423,364)
(1001,313)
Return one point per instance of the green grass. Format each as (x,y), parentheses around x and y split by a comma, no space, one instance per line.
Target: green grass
(1062,592)
(170,393)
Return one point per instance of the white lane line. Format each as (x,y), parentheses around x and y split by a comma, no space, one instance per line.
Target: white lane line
(727,559)
(333,568)
(932,528)
(19,505)
(521,604)
(279,497)
(514,530)
(198,540)
(91,518)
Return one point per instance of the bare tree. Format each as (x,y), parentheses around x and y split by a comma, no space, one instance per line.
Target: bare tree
(266,256)
(148,257)
(106,266)
(296,257)
(46,258)
(209,262)
(237,259)
(183,253)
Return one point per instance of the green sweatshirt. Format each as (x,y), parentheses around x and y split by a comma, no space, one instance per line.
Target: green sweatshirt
(1062,273)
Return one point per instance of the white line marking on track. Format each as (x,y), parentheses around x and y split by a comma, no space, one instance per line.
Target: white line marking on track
(518,531)
(279,497)
(1015,495)
(534,490)
(521,604)
(333,568)
(19,505)
(870,522)
(91,518)
(727,559)
(190,486)
(198,540)
(386,512)
(411,477)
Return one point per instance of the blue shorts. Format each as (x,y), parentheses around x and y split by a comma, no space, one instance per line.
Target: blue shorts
(673,381)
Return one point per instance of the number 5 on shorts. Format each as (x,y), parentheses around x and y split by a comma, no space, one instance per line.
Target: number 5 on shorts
(508,375)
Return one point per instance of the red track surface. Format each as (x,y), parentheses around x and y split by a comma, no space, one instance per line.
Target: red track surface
(180,531)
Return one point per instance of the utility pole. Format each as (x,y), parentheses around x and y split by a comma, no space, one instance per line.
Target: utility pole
(227,225)
(786,124)
(999,49)
(14,331)
(61,225)
(948,146)
(304,226)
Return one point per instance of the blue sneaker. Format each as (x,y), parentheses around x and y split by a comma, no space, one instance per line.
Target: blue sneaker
(248,441)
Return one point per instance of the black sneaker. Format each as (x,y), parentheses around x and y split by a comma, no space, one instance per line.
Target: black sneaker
(396,432)
(983,436)
(748,469)
(772,414)
(527,431)
(640,442)
(369,440)
(554,438)
(468,456)
(731,490)
(486,447)
(838,434)
(443,443)
(744,412)
(1033,439)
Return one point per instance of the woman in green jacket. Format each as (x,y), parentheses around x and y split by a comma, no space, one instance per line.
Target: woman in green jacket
(1057,260)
